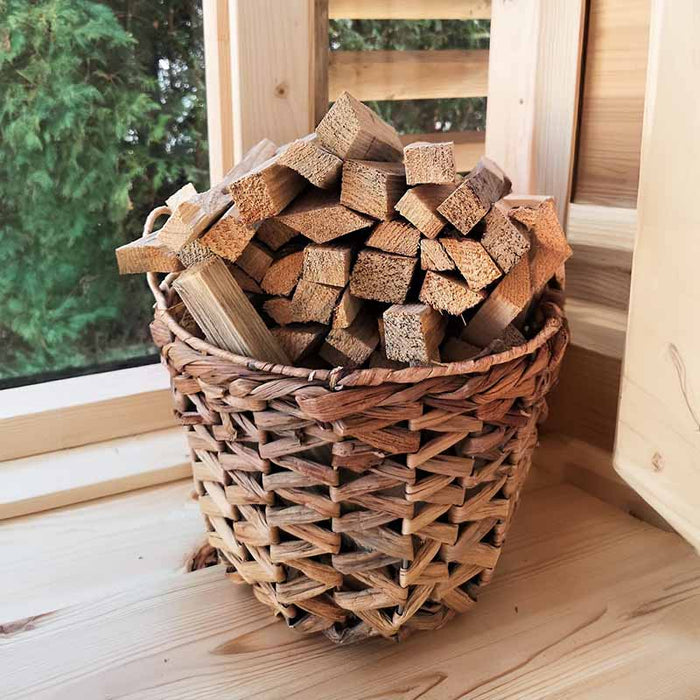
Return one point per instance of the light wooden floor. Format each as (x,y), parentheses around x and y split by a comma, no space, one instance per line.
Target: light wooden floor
(588,603)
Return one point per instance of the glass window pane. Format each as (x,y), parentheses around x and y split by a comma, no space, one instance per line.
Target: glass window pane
(102,117)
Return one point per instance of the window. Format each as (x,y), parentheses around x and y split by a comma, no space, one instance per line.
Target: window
(103,116)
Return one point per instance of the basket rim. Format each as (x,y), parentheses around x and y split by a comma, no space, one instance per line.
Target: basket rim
(340,377)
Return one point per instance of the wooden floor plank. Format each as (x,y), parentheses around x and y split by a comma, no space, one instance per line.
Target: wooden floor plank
(55,559)
(588,602)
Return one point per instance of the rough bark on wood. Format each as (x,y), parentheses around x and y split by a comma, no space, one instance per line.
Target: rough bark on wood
(472,261)
(372,188)
(412,333)
(352,130)
(321,217)
(472,199)
(429,163)
(382,276)
(223,312)
(353,345)
(420,206)
(146,254)
(313,162)
(434,257)
(282,276)
(327,264)
(314,302)
(445,292)
(395,236)
(505,302)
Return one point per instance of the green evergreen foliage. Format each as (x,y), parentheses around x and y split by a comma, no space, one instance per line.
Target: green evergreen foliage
(100,120)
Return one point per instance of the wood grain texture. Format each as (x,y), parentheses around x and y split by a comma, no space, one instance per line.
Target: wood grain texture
(597,327)
(409,9)
(274,97)
(81,410)
(658,436)
(556,615)
(612,103)
(408,75)
(96,548)
(217,71)
(62,478)
(468,145)
(533,94)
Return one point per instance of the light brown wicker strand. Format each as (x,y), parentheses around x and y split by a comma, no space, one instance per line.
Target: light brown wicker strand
(358,503)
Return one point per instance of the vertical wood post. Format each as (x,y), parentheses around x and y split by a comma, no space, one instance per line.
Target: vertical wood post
(534,76)
(217,64)
(278,68)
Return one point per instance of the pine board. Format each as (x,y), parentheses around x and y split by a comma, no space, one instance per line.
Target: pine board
(588,602)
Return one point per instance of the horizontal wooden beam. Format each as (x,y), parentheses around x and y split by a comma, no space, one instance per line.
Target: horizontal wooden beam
(409,9)
(57,479)
(611,228)
(78,411)
(409,75)
(597,327)
(469,145)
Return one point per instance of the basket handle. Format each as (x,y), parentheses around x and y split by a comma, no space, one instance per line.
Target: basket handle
(156,287)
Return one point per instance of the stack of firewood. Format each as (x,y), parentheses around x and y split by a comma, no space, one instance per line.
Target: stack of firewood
(346,248)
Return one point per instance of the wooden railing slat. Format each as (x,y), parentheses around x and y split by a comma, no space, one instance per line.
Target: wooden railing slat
(409,75)
(410,9)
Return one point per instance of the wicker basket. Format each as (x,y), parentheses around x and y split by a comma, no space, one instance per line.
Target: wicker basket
(358,503)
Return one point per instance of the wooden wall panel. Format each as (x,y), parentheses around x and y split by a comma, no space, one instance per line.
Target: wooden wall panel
(607,168)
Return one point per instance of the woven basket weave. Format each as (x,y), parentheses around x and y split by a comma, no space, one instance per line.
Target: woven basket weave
(358,503)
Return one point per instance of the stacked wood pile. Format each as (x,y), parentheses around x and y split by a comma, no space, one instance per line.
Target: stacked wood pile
(346,248)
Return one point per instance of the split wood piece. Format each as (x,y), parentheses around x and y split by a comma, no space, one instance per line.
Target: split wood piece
(245,281)
(395,236)
(274,234)
(193,216)
(472,260)
(456,350)
(373,188)
(182,195)
(313,162)
(429,163)
(346,310)
(350,347)
(193,253)
(470,202)
(352,130)
(321,217)
(223,312)
(378,360)
(504,239)
(314,302)
(284,273)
(229,236)
(146,254)
(447,293)
(382,276)
(327,264)
(505,302)
(299,340)
(266,190)
(420,206)
(279,309)
(412,333)
(255,260)
(434,257)
(549,247)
